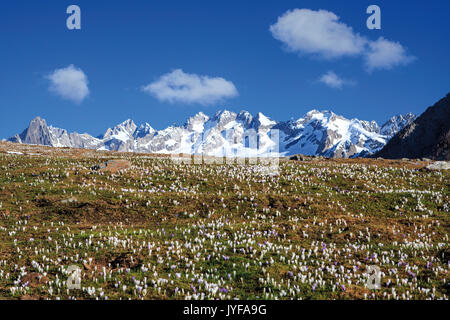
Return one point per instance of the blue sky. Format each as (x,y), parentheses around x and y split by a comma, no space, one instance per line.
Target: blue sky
(125,48)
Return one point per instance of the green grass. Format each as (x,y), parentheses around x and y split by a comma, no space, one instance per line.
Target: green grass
(222,231)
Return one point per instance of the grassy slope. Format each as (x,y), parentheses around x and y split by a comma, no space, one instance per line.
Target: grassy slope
(167,231)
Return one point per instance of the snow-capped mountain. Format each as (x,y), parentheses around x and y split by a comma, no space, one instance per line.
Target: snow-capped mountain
(327,134)
(396,123)
(233,134)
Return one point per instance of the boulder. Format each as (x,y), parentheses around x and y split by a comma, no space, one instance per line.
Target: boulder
(115,165)
(300,157)
(439,165)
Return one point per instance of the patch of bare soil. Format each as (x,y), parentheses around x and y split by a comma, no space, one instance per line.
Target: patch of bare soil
(34,279)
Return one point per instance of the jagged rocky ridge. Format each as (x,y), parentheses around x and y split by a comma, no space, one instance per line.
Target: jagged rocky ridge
(428,136)
(320,133)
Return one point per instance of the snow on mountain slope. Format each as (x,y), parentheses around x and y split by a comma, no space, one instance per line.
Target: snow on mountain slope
(61,138)
(396,123)
(227,133)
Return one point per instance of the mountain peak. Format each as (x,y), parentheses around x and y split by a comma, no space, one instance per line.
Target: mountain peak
(393,125)
(122,131)
(143,130)
(36,133)
(223,114)
(315,111)
(245,117)
(244,113)
(319,113)
(262,120)
(196,122)
(38,121)
(200,116)
(127,124)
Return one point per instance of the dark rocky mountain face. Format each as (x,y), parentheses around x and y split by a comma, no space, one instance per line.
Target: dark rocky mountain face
(426,137)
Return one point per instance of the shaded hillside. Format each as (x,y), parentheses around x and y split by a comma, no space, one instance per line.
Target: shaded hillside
(426,137)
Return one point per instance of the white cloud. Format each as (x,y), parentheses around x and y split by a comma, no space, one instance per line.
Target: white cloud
(70,83)
(317,32)
(385,54)
(178,86)
(320,33)
(332,80)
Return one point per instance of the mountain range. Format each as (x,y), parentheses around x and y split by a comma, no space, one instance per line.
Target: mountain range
(319,133)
